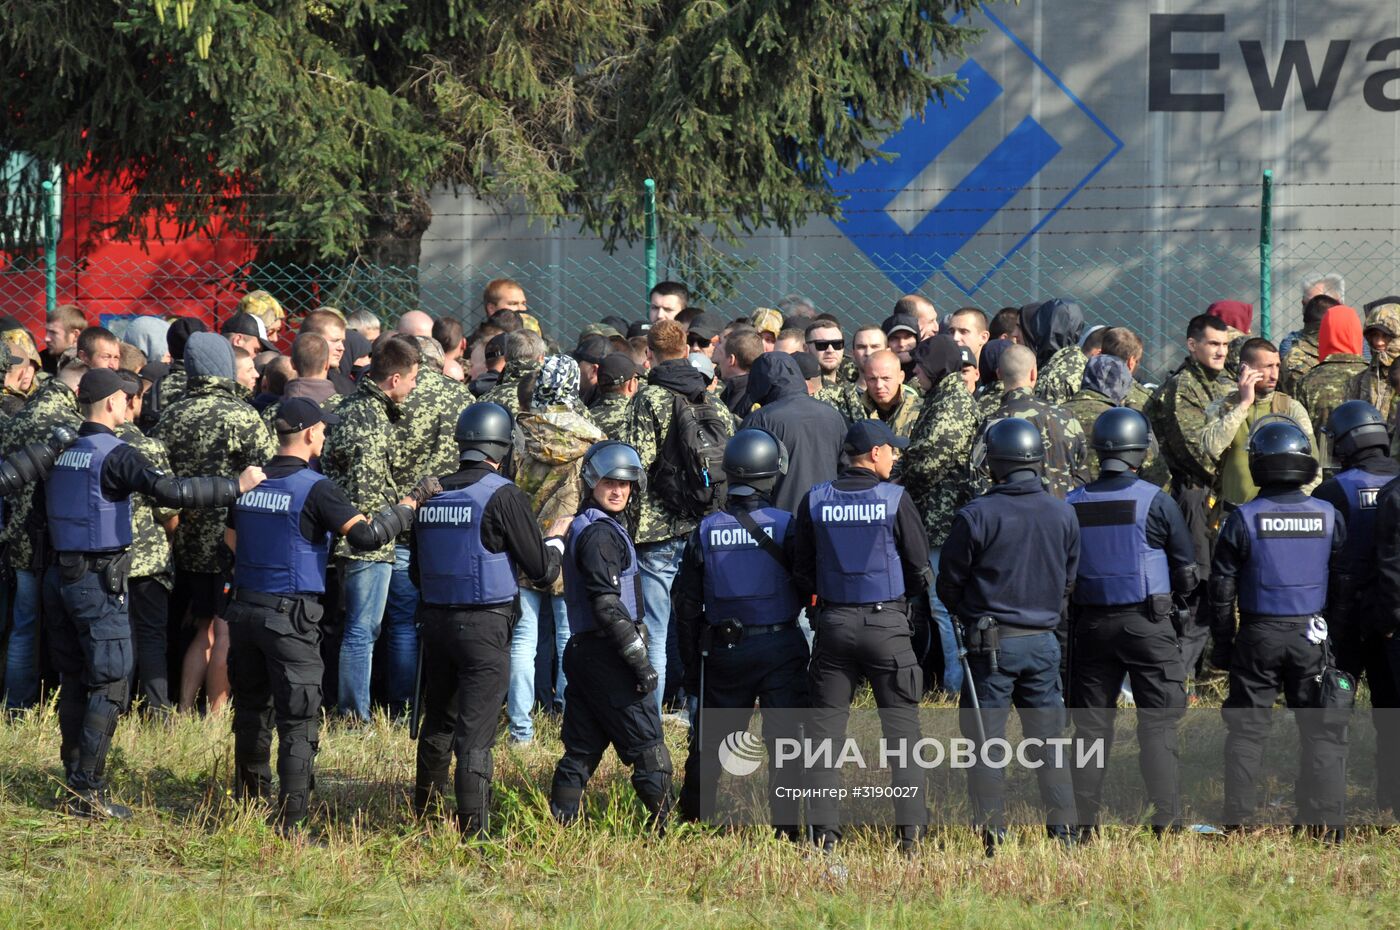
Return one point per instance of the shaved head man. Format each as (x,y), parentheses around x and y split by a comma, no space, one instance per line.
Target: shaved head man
(416,323)
(1016,368)
(968,327)
(883,378)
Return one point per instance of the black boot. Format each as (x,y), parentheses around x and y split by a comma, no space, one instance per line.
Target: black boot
(93,804)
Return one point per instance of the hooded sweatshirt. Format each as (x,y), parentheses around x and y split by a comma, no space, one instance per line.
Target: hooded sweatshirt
(812,431)
(1373,384)
(208,355)
(1050,327)
(1108,375)
(1340,332)
(147,333)
(550,442)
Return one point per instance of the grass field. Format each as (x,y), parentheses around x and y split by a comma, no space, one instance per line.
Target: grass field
(193,858)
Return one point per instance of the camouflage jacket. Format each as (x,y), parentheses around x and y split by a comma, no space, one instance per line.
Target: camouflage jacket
(359,455)
(1323,389)
(507,390)
(845,397)
(934,469)
(52,405)
(990,398)
(1062,376)
(424,436)
(1138,397)
(609,413)
(150,546)
(1177,413)
(902,418)
(1372,384)
(1086,407)
(549,448)
(1066,448)
(845,373)
(210,431)
(171,388)
(1300,359)
(647,423)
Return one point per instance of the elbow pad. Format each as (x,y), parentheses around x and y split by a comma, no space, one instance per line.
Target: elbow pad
(614,620)
(28,465)
(199,493)
(386,525)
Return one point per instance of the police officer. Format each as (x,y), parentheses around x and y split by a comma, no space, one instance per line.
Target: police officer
(89,519)
(861,548)
(469,544)
(1010,560)
(736,608)
(609,676)
(1135,552)
(1277,556)
(281,534)
(1359,443)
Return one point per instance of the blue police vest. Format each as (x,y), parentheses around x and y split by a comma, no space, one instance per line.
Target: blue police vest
(454,568)
(1289,547)
(1361,488)
(81,518)
(857,559)
(580,605)
(742,581)
(274,557)
(1116,565)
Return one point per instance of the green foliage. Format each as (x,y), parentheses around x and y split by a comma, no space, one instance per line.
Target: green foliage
(323,123)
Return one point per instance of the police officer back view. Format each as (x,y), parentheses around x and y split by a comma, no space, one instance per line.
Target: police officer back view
(89,517)
(1277,555)
(468,543)
(862,550)
(281,536)
(1135,552)
(1360,441)
(736,608)
(609,676)
(1009,562)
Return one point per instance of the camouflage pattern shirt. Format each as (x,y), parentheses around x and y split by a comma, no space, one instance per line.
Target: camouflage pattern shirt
(172,387)
(1067,463)
(52,405)
(210,431)
(609,413)
(359,456)
(424,436)
(507,390)
(902,417)
(846,373)
(150,546)
(1177,413)
(1086,407)
(989,398)
(1300,359)
(550,445)
(1323,389)
(1062,376)
(934,469)
(845,397)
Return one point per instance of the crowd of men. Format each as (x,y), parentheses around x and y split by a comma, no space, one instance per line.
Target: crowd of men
(462,515)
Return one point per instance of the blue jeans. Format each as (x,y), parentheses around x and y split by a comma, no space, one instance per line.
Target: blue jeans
(524,642)
(366,591)
(400,634)
(952,668)
(22,654)
(659,563)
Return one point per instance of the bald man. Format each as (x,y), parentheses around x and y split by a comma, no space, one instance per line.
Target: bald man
(1066,448)
(416,323)
(886,396)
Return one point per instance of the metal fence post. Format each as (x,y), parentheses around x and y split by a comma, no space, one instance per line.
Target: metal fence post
(50,250)
(1266,253)
(649,254)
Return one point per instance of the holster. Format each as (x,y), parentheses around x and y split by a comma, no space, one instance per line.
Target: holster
(729,632)
(982,636)
(1159,608)
(71,566)
(115,573)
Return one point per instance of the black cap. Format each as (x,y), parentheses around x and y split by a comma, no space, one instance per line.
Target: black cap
(179,333)
(496,347)
(865,435)
(298,413)
(639,328)
(900,321)
(968,359)
(154,371)
(807,364)
(101,383)
(591,349)
(617,368)
(704,327)
(243,324)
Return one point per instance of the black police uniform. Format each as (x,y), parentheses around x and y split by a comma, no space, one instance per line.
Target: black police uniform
(736,608)
(1011,558)
(467,544)
(1276,554)
(603,702)
(284,528)
(85,612)
(861,548)
(1135,552)
(1364,494)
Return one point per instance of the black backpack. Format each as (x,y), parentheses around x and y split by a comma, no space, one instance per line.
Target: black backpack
(688,474)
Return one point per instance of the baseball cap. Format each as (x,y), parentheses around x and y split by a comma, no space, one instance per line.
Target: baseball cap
(900,322)
(598,329)
(966,358)
(809,366)
(298,413)
(245,324)
(530,323)
(639,328)
(703,327)
(154,371)
(865,435)
(593,348)
(767,320)
(617,368)
(101,383)
(701,363)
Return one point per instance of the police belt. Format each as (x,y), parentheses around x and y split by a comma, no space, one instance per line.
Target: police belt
(93,562)
(281,603)
(900,602)
(1246,619)
(762,629)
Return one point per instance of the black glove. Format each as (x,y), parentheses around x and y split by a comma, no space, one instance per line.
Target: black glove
(646,678)
(427,486)
(1221,652)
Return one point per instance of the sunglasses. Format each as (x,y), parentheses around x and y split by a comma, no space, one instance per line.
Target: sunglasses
(826,345)
(698,343)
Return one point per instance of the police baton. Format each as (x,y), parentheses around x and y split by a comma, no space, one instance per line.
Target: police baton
(415,714)
(967,680)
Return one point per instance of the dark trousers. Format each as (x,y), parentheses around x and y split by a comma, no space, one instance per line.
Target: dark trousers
(274,664)
(1027,677)
(89,639)
(1271,655)
(1194,502)
(770,668)
(466,672)
(148,605)
(855,641)
(1381,659)
(602,708)
(1108,643)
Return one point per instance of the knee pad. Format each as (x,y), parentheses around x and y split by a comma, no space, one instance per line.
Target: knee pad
(655,758)
(478,762)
